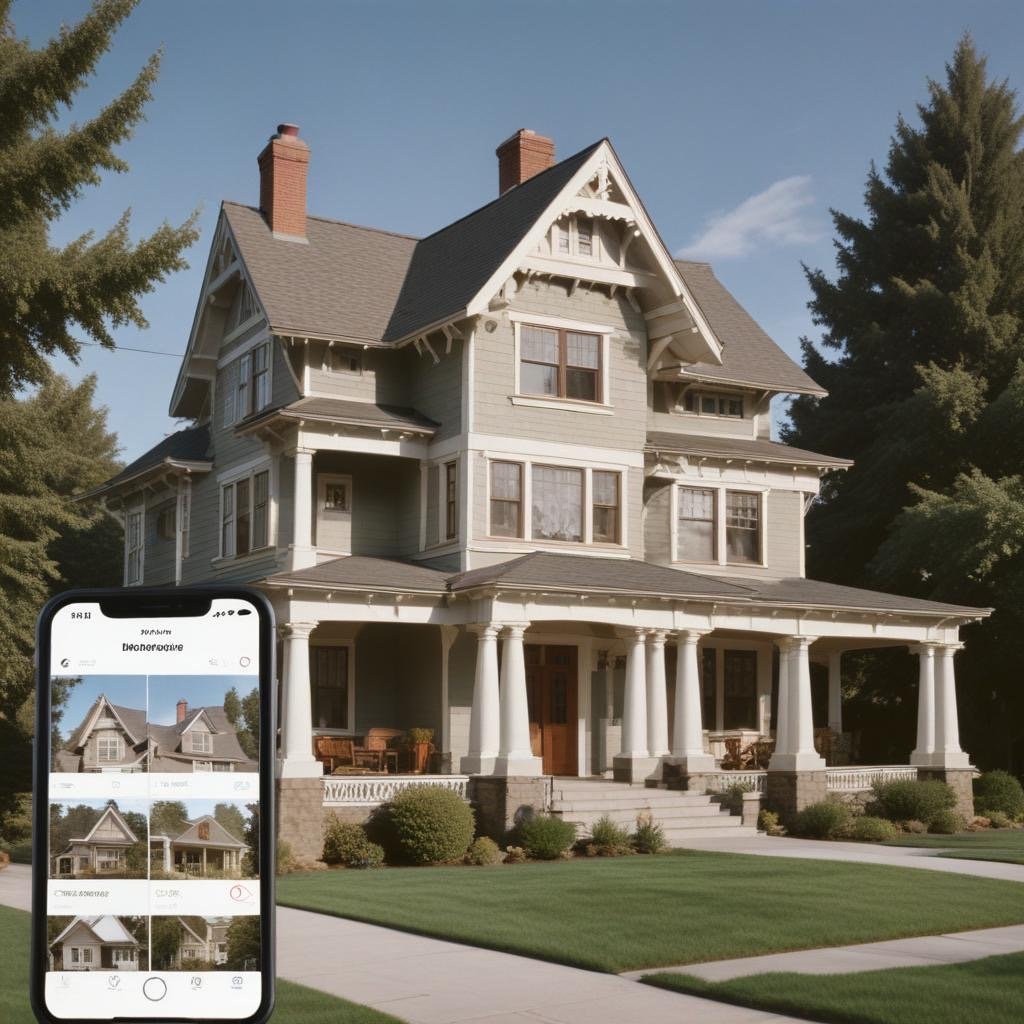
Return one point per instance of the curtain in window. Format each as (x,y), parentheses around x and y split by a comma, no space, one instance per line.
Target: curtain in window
(695,529)
(742,526)
(557,503)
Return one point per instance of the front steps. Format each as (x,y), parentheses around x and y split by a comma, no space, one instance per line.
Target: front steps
(681,815)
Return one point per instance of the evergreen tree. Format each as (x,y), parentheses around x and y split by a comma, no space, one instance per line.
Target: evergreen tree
(231,818)
(94,283)
(168,818)
(925,327)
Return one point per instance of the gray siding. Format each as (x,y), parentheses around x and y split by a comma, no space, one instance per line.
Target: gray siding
(158,566)
(461,671)
(383,378)
(785,510)
(433,504)
(657,525)
(435,389)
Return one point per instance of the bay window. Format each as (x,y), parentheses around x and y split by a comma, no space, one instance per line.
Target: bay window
(695,525)
(560,363)
(557,512)
(245,515)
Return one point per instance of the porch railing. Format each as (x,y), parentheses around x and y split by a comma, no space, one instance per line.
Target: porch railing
(719,782)
(857,779)
(358,791)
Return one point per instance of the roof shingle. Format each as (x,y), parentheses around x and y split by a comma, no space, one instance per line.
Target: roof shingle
(754,449)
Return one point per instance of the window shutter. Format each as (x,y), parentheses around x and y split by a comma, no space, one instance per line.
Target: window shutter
(230,390)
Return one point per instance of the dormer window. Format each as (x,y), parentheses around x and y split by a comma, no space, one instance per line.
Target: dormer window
(202,743)
(709,403)
(108,748)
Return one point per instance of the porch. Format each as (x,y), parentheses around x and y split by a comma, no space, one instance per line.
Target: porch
(170,858)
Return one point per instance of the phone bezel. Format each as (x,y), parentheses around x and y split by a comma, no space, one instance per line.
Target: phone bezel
(157,597)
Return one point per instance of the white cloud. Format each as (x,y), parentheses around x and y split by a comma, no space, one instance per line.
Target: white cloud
(777,216)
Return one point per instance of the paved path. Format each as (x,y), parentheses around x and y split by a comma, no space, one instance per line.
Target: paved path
(16,886)
(925,951)
(865,853)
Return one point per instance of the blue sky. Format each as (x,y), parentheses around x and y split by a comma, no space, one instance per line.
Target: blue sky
(124,691)
(198,691)
(740,123)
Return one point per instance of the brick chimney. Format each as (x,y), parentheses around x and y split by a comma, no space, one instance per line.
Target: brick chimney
(283,165)
(182,709)
(521,157)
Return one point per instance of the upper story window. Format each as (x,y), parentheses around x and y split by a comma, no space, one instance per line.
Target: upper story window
(506,499)
(247,307)
(718,525)
(557,503)
(560,363)
(133,548)
(708,403)
(108,748)
(202,743)
(344,360)
(245,515)
(574,236)
(451,506)
(165,523)
(247,384)
(605,510)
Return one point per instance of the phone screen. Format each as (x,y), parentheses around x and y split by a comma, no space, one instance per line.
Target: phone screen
(153,884)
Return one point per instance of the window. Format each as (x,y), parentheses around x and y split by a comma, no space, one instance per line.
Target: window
(260,377)
(336,497)
(560,363)
(87,955)
(133,548)
(584,237)
(165,522)
(245,523)
(344,360)
(506,499)
(203,831)
(202,743)
(247,384)
(202,766)
(695,529)
(329,678)
(451,514)
(574,236)
(186,516)
(75,955)
(188,952)
(704,403)
(557,503)
(742,526)
(108,748)
(740,690)
(246,306)
(605,507)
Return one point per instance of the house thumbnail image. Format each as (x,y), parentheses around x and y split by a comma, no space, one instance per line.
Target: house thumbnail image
(98,838)
(192,943)
(99,943)
(201,839)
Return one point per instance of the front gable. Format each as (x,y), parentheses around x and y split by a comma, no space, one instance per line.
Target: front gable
(103,715)
(111,827)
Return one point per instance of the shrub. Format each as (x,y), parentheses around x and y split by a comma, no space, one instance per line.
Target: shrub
(768,821)
(482,852)
(824,820)
(947,822)
(649,836)
(5,859)
(546,838)
(431,824)
(19,853)
(998,791)
(918,799)
(286,862)
(349,845)
(914,827)
(868,829)
(997,819)
(731,798)
(608,839)
(515,855)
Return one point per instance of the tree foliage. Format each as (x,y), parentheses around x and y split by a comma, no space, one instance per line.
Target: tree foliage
(922,354)
(94,283)
(168,818)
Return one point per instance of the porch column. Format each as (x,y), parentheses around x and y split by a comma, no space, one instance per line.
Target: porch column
(796,752)
(296,757)
(924,752)
(657,695)
(484,719)
(303,552)
(782,704)
(634,762)
(167,854)
(687,726)
(835,691)
(947,727)
(515,754)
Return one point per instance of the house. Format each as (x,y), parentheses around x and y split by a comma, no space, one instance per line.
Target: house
(118,739)
(97,944)
(102,851)
(202,848)
(203,939)
(535,433)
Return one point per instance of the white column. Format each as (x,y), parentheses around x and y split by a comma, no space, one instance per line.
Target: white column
(634,705)
(947,727)
(924,751)
(303,552)
(782,703)
(484,719)
(687,725)
(297,759)
(167,854)
(515,754)
(796,752)
(657,695)
(835,691)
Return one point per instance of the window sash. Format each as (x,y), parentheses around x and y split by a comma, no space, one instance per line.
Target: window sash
(202,743)
(108,748)
(706,403)
(451,501)
(330,678)
(605,502)
(557,501)
(227,530)
(742,527)
(133,541)
(506,499)
(260,506)
(186,516)
(243,515)
(696,533)
(560,363)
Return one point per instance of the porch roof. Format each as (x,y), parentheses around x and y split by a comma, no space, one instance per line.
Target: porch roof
(747,449)
(347,412)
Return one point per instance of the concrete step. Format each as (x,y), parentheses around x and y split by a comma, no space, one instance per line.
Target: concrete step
(670,818)
(622,792)
(736,830)
(630,811)
(616,803)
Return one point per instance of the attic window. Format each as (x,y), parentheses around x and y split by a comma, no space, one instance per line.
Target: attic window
(344,360)
(202,743)
(165,523)
(574,236)
(108,748)
(706,403)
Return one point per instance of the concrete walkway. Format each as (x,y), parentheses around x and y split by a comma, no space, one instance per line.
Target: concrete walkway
(924,951)
(16,887)
(865,853)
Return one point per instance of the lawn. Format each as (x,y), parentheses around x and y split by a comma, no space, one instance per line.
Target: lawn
(296,1004)
(685,907)
(1006,846)
(987,990)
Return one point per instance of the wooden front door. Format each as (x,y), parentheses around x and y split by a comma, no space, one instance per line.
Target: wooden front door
(551,680)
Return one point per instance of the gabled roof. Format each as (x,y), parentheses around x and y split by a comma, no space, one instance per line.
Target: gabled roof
(743,448)
(107,929)
(225,740)
(749,355)
(449,267)
(133,721)
(130,836)
(219,835)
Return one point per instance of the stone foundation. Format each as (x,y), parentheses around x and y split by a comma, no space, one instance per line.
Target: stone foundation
(300,815)
(961,781)
(627,768)
(501,803)
(790,792)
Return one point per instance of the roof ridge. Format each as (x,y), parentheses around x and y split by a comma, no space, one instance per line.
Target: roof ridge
(329,220)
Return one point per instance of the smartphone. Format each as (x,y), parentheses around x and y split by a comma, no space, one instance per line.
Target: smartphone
(153,832)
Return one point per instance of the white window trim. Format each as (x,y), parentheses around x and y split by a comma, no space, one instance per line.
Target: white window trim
(527,463)
(440,540)
(231,477)
(247,346)
(720,545)
(139,510)
(207,747)
(119,748)
(596,249)
(232,371)
(601,407)
(322,480)
(351,645)
(442,512)
(716,393)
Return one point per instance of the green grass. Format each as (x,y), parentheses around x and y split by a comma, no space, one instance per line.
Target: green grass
(987,990)
(687,907)
(1005,845)
(296,1004)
